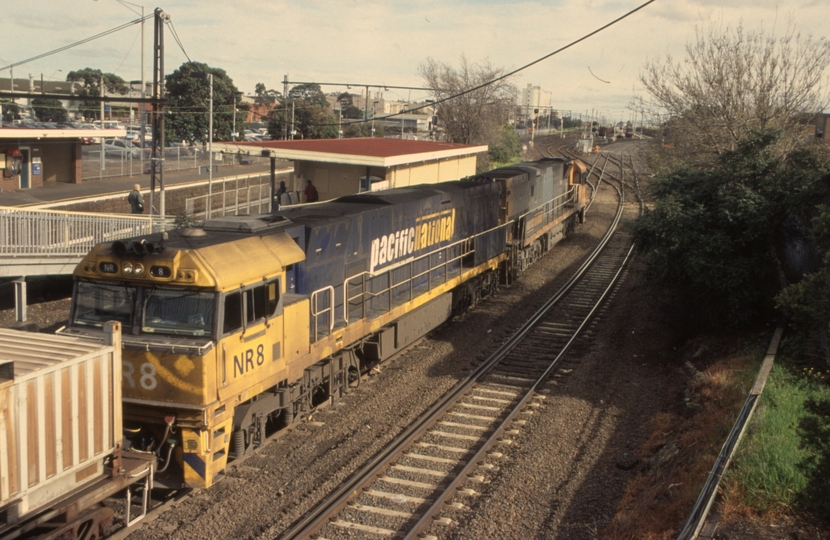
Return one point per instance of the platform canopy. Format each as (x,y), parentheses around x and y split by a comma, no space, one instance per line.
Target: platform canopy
(370,152)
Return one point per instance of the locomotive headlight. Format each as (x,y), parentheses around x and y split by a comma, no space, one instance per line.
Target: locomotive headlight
(139,269)
(127,268)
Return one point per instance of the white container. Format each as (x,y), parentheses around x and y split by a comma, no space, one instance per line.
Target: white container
(60,415)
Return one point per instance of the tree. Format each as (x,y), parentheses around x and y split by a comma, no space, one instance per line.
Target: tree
(476,116)
(89,81)
(309,109)
(720,238)
(265,94)
(352,113)
(49,110)
(310,94)
(347,107)
(732,82)
(310,122)
(807,302)
(188,91)
(346,100)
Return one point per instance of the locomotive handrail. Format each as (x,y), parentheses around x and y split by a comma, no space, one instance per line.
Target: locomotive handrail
(467,247)
(566,197)
(314,308)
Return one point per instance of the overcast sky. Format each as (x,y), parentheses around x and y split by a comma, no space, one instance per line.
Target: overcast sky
(383,41)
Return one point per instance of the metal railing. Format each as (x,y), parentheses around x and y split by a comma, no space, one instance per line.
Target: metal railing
(369,295)
(546,212)
(252,198)
(38,233)
(175,159)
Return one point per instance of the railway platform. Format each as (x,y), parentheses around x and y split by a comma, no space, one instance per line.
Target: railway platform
(52,193)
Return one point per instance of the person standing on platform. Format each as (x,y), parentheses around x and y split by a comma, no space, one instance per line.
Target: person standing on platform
(311,192)
(280,192)
(136,200)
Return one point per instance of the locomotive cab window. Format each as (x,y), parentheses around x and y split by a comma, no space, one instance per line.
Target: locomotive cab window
(96,304)
(178,312)
(255,303)
(261,302)
(232,320)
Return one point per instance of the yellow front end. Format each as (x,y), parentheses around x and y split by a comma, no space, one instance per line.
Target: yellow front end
(181,386)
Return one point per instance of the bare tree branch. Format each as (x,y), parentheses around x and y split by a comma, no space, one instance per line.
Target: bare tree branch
(473,118)
(732,81)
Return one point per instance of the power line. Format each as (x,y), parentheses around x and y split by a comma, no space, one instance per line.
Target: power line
(71,45)
(517,70)
(176,37)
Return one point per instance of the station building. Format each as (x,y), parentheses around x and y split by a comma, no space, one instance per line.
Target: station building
(32,157)
(340,167)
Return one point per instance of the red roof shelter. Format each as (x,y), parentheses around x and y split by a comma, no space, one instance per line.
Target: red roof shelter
(344,166)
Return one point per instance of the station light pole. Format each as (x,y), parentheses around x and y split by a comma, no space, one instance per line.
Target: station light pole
(234,134)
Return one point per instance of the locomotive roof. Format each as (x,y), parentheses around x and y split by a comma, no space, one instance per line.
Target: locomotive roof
(228,229)
(362,202)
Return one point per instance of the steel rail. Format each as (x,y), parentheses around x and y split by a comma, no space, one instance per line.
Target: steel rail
(473,462)
(335,502)
(697,517)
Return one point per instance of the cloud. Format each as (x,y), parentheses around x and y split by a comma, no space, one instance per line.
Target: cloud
(384,41)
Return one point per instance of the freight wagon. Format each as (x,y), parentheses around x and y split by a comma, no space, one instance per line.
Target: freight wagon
(61,447)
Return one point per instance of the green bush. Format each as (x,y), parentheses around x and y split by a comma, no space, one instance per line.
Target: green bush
(506,148)
(715,236)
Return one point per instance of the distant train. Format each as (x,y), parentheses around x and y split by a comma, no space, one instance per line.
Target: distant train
(239,326)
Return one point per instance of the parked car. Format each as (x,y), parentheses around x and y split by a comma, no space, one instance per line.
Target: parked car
(185,149)
(121,148)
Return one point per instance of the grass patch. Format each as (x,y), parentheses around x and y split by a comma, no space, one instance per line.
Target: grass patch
(783,463)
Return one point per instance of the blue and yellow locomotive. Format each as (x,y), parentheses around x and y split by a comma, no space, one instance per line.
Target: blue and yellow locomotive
(241,325)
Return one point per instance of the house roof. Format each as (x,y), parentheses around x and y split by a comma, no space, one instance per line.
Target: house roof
(360,151)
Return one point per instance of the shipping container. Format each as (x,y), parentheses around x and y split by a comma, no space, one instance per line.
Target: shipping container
(60,422)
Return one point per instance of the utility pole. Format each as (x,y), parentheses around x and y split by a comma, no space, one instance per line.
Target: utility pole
(142,118)
(210,151)
(157,163)
(285,107)
(233,131)
(103,157)
(292,119)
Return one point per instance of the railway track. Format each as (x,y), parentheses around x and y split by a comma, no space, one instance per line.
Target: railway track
(410,488)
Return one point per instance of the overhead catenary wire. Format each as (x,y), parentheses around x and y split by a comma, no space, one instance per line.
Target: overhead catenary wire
(77,43)
(515,71)
(176,37)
